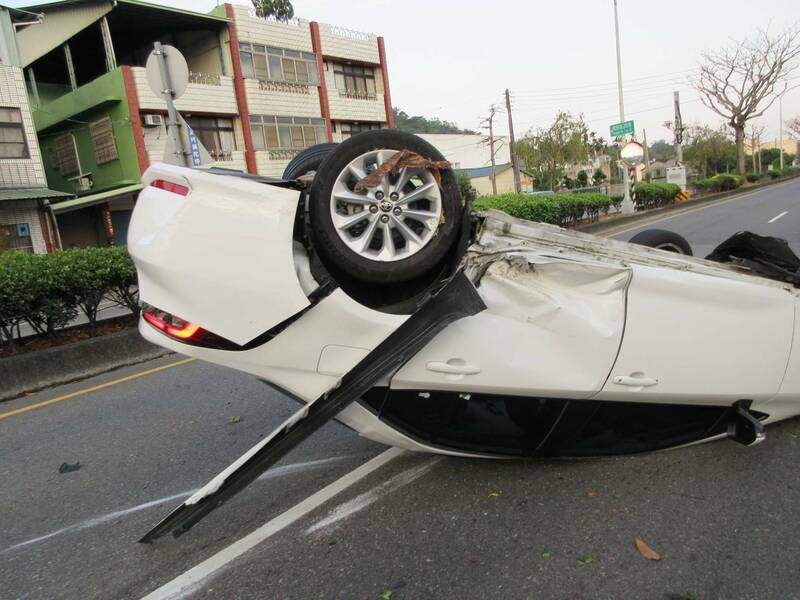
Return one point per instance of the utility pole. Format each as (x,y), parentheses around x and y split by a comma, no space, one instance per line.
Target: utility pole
(646,154)
(678,129)
(512,145)
(627,203)
(490,141)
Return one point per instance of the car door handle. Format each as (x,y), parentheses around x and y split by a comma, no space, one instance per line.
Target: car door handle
(453,369)
(635,381)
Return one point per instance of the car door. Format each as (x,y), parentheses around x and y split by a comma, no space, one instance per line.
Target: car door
(551,330)
(700,338)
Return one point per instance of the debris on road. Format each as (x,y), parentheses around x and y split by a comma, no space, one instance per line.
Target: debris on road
(494,494)
(234,419)
(68,468)
(586,561)
(646,550)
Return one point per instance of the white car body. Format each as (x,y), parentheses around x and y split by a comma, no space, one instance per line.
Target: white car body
(570,317)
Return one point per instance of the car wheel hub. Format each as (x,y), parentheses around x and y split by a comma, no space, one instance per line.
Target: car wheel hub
(392,221)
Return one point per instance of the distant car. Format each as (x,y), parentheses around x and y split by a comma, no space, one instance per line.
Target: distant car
(568,345)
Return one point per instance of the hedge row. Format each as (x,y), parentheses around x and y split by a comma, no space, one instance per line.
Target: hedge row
(653,195)
(556,209)
(718,183)
(48,290)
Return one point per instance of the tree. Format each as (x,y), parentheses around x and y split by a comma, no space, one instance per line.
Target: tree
(710,150)
(419,124)
(662,150)
(598,177)
(280,10)
(739,82)
(547,152)
(582,178)
(794,126)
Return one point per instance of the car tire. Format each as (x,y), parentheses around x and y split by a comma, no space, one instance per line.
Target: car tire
(409,225)
(662,239)
(308,160)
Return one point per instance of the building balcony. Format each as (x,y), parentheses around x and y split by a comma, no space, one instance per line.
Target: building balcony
(282,98)
(206,93)
(346,106)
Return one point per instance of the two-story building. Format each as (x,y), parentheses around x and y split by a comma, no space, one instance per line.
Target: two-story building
(26,222)
(259,92)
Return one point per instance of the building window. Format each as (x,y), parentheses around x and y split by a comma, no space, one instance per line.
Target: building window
(278,64)
(12,134)
(216,135)
(105,146)
(65,155)
(350,129)
(16,237)
(354,81)
(284,133)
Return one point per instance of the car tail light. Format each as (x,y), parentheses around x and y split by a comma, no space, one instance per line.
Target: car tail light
(169,186)
(173,326)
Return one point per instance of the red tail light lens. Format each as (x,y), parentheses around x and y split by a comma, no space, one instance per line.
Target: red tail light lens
(169,186)
(173,326)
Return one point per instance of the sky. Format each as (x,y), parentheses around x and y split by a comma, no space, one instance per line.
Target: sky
(453,60)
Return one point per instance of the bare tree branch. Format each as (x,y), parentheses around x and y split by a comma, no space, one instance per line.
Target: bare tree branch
(741,81)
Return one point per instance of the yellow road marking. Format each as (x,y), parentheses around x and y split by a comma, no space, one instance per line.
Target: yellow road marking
(95,388)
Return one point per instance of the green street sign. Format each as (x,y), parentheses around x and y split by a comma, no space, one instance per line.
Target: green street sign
(623,128)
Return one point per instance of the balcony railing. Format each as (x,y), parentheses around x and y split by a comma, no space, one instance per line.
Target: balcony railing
(282,154)
(290,87)
(350,34)
(204,78)
(357,95)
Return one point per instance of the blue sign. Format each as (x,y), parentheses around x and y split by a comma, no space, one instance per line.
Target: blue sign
(23,230)
(194,146)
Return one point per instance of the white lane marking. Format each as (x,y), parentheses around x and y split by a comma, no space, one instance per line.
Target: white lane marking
(95,521)
(190,580)
(775,218)
(646,222)
(361,501)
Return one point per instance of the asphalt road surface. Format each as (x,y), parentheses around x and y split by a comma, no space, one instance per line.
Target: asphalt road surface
(723,517)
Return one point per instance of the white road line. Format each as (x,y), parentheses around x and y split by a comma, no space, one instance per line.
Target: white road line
(362,501)
(190,580)
(95,521)
(776,217)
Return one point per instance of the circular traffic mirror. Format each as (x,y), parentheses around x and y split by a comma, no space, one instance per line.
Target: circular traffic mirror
(632,154)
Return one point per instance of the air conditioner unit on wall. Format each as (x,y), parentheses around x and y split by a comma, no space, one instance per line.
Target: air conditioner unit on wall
(151,120)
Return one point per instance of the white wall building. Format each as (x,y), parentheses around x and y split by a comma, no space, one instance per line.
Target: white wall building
(468,151)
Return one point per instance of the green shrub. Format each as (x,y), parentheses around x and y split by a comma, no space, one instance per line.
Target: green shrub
(753,177)
(774,173)
(652,195)
(47,290)
(557,209)
(787,171)
(718,183)
(124,287)
(49,286)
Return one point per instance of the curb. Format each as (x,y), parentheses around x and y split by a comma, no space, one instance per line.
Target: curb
(35,371)
(602,226)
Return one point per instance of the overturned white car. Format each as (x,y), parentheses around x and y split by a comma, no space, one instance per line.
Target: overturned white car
(362,285)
